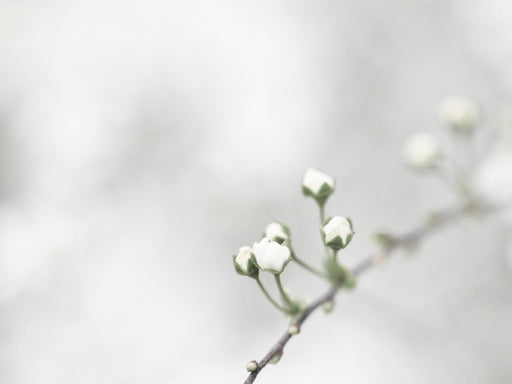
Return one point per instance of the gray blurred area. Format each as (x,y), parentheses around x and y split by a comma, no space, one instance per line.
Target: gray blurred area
(143,142)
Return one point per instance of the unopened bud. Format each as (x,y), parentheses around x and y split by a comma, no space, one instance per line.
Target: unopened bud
(252,366)
(275,359)
(318,185)
(243,263)
(294,329)
(337,232)
(461,114)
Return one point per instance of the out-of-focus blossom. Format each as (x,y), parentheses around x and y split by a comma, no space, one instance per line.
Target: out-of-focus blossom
(460,113)
(493,179)
(421,151)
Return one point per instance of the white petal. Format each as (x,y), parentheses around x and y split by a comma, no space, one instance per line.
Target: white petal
(337,226)
(314,180)
(271,255)
(275,230)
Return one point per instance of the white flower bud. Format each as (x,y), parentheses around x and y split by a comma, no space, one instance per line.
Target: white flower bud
(318,185)
(293,329)
(243,263)
(277,232)
(421,151)
(460,113)
(271,256)
(337,232)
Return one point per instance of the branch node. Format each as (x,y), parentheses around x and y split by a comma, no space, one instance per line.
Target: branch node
(328,306)
(252,366)
(276,357)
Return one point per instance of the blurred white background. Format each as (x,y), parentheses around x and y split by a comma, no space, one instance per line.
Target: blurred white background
(143,142)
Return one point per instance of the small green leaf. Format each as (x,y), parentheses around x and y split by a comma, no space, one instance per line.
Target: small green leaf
(384,239)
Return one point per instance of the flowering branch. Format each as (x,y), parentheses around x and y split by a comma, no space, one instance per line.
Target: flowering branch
(422,153)
(393,243)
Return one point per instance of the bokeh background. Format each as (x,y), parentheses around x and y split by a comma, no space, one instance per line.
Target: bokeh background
(143,142)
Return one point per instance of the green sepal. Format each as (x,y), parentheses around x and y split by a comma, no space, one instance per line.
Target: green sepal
(384,239)
(252,269)
(323,193)
(293,309)
(337,275)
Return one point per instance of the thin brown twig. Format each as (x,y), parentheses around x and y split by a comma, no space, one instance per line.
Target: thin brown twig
(410,238)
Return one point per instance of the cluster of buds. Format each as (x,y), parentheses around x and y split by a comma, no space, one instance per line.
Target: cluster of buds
(273,251)
(422,151)
(478,180)
(265,255)
(271,254)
